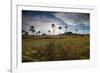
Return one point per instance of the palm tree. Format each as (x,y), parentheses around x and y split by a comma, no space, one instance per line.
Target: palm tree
(39,32)
(76,30)
(66,28)
(59,29)
(32,28)
(36,33)
(49,31)
(23,32)
(53,27)
(26,33)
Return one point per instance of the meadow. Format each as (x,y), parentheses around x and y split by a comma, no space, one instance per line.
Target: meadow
(55,47)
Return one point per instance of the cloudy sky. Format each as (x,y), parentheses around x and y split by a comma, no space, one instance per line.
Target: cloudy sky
(42,21)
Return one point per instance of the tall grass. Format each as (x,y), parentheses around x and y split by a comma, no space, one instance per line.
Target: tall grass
(49,49)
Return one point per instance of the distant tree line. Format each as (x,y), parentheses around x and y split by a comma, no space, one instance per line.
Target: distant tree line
(34,32)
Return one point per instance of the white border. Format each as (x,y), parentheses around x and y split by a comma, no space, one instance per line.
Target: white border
(18,66)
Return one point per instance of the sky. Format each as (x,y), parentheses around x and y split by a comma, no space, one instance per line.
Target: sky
(42,21)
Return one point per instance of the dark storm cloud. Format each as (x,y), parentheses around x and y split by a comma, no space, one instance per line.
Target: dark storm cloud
(74,18)
(42,20)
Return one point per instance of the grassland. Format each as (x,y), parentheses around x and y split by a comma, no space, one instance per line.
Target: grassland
(55,48)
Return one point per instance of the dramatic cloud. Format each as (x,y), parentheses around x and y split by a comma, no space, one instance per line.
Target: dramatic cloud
(74,18)
(42,21)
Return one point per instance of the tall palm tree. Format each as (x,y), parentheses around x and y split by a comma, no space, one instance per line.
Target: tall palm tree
(23,32)
(32,28)
(39,32)
(76,30)
(59,29)
(36,33)
(26,33)
(66,28)
(49,31)
(53,27)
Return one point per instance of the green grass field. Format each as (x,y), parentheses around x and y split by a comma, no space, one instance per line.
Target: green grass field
(55,48)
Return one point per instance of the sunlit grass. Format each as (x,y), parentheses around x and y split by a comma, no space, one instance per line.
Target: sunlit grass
(51,48)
